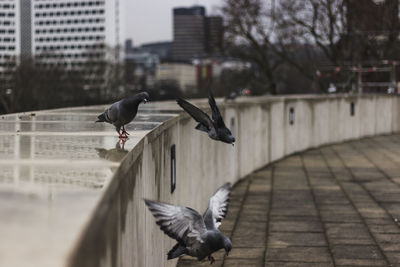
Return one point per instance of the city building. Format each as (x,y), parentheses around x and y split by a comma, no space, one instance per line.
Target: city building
(184,74)
(162,49)
(195,34)
(141,66)
(214,26)
(9,32)
(373,18)
(64,31)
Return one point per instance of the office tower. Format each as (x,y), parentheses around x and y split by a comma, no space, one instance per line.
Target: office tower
(214,34)
(189,33)
(195,34)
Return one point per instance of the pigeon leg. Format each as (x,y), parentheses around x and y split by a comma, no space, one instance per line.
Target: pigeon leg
(119,133)
(124,131)
(211,259)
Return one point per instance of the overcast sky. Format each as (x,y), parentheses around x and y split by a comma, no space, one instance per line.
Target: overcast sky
(151,20)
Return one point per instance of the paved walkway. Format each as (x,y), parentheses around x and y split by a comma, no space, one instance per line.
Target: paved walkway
(334,206)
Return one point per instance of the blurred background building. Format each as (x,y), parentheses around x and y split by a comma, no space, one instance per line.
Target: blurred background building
(9,31)
(195,34)
(62,32)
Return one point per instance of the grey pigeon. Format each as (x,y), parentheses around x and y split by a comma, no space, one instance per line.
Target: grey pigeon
(123,112)
(215,126)
(232,95)
(197,236)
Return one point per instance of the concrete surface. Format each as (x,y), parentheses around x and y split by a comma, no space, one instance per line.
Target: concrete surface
(71,197)
(54,166)
(333,206)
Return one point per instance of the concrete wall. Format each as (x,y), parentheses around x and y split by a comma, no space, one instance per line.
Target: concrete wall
(122,232)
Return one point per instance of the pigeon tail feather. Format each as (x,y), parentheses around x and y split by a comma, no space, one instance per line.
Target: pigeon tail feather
(176,251)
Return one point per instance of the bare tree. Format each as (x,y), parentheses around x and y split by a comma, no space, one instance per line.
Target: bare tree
(248,35)
(330,32)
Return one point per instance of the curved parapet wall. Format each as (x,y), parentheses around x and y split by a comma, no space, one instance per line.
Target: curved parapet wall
(121,231)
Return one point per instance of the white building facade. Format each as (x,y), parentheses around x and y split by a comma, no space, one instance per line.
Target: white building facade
(66,32)
(9,31)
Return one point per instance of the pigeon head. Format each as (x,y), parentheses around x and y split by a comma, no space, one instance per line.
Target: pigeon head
(226,136)
(227,245)
(143,97)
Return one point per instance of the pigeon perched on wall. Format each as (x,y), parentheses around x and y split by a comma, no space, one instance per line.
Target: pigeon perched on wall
(215,126)
(197,236)
(123,112)
(234,94)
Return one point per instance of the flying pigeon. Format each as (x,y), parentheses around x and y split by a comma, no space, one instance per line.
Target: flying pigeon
(197,236)
(123,112)
(215,126)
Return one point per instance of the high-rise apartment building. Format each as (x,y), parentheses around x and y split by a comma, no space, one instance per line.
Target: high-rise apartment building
(195,35)
(64,31)
(9,31)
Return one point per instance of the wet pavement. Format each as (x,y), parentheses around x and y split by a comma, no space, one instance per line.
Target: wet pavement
(337,205)
(54,166)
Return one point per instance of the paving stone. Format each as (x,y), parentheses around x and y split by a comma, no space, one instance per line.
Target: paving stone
(243,262)
(384,228)
(295,226)
(284,210)
(360,262)
(259,188)
(298,264)
(195,263)
(260,200)
(346,230)
(340,217)
(393,257)
(388,242)
(351,241)
(356,252)
(281,240)
(300,218)
(247,253)
(301,254)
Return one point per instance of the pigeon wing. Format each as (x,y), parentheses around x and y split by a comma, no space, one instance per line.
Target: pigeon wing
(181,223)
(197,114)
(217,207)
(111,113)
(216,115)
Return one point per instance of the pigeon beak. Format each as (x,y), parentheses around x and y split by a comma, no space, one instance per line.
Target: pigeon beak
(145,100)
(233,144)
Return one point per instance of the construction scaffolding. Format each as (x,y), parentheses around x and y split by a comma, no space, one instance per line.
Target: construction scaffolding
(356,80)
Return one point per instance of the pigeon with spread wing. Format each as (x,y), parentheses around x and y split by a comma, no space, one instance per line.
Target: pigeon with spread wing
(198,236)
(214,126)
